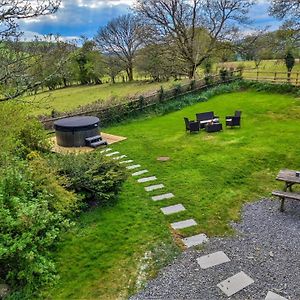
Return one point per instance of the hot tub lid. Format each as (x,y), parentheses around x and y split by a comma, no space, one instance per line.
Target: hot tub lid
(75,122)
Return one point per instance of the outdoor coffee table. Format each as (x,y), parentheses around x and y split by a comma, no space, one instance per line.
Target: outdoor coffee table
(213,127)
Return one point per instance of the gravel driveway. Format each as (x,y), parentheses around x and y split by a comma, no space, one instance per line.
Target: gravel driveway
(266,247)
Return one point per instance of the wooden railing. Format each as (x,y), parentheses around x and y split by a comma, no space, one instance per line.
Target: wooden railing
(272,76)
(106,111)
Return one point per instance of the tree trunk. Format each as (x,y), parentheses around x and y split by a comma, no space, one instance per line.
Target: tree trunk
(113,80)
(191,72)
(130,73)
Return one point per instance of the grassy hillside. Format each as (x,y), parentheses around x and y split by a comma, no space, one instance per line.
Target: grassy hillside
(69,98)
(111,251)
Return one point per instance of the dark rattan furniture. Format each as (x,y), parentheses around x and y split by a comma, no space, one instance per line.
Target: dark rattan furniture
(191,126)
(213,127)
(234,120)
(206,117)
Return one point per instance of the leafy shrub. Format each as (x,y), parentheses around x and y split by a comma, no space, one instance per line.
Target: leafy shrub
(141,101)
(208,79)
(177,89)
(46,178)
(224,74)
(95,177)
(28,230)
(32,137)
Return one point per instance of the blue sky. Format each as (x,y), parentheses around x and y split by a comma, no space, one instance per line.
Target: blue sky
(83,17)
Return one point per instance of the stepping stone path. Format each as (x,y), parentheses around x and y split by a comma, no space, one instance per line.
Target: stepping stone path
(172,209)
(154,187)
(112,153)
(195,240)
(126,161)
(212,260)
(119,157)
(231,285)
(184,224)
(140,173)
(133,167)
(106,150)
(147,179)
(273,296)
(235,283)
(162,197)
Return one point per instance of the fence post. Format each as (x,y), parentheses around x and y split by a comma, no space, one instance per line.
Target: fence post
(275,77)
(257,75)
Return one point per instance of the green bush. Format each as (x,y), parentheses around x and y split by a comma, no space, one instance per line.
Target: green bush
(28,230)
(92,175)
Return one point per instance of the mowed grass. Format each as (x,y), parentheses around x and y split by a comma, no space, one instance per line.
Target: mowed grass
(70,98)
(212,175)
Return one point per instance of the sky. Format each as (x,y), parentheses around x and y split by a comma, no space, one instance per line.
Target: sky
(77,18)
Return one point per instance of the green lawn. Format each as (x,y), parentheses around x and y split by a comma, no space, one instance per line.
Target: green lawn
(69,98)
(212,175)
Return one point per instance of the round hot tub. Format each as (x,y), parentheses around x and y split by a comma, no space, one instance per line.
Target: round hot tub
(72,132)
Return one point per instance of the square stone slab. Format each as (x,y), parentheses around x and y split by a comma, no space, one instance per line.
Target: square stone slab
(172,209)
(119,157)
(154,187)
(140,173)
(184,224)
(126,161)
(162,197)
(273,296)
(112,153)
(133,167)
(106,150)
(195,240)
(147,179)
(235,283)
(212,260)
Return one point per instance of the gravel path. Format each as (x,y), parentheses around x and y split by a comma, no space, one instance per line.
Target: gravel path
(267,248)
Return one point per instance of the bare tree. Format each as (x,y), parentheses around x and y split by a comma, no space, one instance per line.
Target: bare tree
(288,10)
(196,26)
(13,10)
(17,59)
(122,37)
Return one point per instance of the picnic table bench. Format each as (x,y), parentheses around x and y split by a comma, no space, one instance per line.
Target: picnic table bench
(290,179)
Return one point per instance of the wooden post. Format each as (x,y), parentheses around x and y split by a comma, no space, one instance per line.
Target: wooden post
(275,77)
(257,75)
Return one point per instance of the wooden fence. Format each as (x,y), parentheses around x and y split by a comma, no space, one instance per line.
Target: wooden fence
(106,112)
(272,76)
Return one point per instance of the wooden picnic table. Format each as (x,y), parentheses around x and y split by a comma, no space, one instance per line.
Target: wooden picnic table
(289,178)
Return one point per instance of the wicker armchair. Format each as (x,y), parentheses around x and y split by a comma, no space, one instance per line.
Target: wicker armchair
(191,126)
(234,120)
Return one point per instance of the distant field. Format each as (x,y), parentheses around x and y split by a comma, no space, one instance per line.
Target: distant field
(69,98)
(265,65)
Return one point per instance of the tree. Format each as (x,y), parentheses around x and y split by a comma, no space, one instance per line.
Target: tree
(195,26)
(89,63)
(157,61)
(113,66)
(288,10)
(15,60)
(289,62)
(122,37)
(13,10)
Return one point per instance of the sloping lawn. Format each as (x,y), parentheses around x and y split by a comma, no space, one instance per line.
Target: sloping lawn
(212,175)
(70,98)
